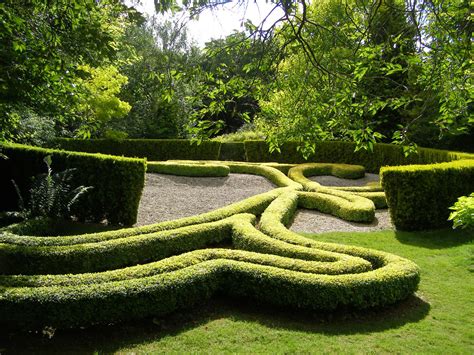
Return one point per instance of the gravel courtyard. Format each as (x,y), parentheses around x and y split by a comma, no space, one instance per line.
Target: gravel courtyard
(168,197)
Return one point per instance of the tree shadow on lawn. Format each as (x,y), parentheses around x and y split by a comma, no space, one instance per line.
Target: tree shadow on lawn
(436,239)
(116,337)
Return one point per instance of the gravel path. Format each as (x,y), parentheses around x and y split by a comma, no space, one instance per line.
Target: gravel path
(168,197)
(328,180)
(317,222)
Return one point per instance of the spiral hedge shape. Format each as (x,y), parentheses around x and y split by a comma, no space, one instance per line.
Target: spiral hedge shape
(153,270)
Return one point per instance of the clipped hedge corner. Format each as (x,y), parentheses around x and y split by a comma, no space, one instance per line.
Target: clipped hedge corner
(117,181)
(419,196)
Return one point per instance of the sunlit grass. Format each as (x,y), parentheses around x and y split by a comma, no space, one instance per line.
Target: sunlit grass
(438,319)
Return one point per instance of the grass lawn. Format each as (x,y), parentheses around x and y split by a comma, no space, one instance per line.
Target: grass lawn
(438,319)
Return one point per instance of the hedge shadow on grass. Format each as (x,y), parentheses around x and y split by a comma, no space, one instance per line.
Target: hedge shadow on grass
(112,338)
(435,239)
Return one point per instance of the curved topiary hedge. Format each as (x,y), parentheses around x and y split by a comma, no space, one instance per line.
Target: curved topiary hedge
(353,198)
(95,278)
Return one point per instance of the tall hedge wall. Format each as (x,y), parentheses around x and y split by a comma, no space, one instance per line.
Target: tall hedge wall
(343,152)
(419,196)
(413,201)
(152,149)
(257,151)
(117,181)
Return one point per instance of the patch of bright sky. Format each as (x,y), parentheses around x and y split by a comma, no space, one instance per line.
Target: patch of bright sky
(224,19)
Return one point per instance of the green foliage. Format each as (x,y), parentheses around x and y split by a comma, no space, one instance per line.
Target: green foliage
(343,204)
(344,171)
(100,103)
(463,212)
(239,137)
(386,71)
(24,125)
(257,151)
(51,195)
(161,79)
(419,196)
(271,172)
(117,181)
(43,48)
(234,72)
(343,152)
(347,206)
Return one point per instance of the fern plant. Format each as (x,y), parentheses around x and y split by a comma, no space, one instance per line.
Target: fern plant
(51,195)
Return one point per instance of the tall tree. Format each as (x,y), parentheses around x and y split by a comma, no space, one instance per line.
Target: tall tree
(161,79)
(395,68)
(43,46)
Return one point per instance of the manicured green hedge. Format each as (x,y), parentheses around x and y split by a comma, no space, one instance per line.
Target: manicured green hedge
(152,149)
(274,265)
(300,172)
(343,152)
(117,182)
(419,196)
(232,151)
(257,151)
(347,206)
(255,205)
(299,273)
(112,253)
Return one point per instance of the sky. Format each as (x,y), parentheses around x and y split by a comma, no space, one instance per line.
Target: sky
(220,22)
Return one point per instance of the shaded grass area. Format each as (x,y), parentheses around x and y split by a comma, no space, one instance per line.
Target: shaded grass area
(438,319)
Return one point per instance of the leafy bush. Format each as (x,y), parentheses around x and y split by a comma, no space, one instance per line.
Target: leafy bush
(30,127)
(241,135)
(463,212)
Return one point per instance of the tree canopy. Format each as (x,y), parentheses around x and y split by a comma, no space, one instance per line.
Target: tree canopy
(361,70)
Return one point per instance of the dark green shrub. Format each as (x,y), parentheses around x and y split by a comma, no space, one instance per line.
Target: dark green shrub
(419,196)
(117,181)
(232,151)
(257,151)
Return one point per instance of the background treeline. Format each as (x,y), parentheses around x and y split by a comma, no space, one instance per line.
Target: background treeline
(358,70)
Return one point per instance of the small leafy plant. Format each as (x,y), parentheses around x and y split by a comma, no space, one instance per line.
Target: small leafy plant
(463,212)
(51,195)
